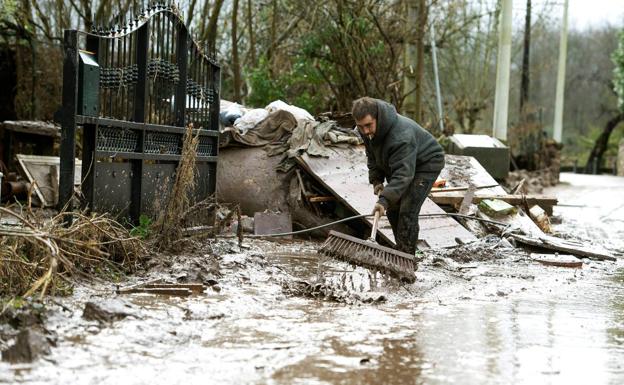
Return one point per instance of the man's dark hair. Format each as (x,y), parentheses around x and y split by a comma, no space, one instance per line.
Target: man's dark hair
(364,106)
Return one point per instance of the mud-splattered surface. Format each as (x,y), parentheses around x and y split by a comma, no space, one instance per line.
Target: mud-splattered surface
(482,314)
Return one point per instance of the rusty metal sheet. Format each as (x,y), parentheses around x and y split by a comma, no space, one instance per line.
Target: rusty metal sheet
(345,174)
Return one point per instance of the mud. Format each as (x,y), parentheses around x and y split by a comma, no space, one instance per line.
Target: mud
(275,314)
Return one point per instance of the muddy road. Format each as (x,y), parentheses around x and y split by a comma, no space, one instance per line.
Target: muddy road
(480,314)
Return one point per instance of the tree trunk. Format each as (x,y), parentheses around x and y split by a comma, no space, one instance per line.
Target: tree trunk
(273,34)
(211,30)
(420,53)
(252,38)
(595,157)
(191,12)
(410,60)
(235,60)
(524,86)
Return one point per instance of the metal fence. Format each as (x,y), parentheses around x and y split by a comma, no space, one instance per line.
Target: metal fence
(133,89)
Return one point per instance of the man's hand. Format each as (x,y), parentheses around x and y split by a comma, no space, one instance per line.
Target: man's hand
(378,188)
(379,208)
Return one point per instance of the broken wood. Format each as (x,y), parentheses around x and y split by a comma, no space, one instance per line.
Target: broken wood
(196,288)
(454,198)
(467,201)
(552,243)
(157,287)
(540,218)
(558,260)
(460,188)
(198,230)
(181,292)
(321,199)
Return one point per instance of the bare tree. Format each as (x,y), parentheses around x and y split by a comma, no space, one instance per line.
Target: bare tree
(235,61)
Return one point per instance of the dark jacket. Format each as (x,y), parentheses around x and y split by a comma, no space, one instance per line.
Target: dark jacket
(400,149)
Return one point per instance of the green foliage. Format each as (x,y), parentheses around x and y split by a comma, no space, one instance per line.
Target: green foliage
(618,71)
(298,85)
(578,147)
(8,10)
(143,229)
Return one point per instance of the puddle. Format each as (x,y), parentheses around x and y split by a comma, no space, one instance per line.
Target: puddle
(501,321)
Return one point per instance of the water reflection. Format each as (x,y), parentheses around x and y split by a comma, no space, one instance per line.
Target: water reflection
(574,334)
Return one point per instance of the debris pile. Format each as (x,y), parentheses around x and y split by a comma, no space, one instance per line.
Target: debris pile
(531,182)
(329,182)
(44,255)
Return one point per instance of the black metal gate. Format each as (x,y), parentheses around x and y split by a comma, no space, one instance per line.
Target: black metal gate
(133,89)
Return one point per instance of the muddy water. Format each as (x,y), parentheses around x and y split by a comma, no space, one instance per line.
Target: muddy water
(502,321)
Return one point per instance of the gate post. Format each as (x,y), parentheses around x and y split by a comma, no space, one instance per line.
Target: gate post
(68,122)
(140,100)
(180,92)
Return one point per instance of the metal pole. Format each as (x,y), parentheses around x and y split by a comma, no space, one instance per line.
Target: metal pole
(501,101)
(1,176)
(434,58)
(563,51)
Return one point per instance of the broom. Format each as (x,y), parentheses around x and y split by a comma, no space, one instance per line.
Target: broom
(370,254)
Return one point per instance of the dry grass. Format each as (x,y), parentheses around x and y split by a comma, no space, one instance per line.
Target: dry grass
(43,256)
(170,222)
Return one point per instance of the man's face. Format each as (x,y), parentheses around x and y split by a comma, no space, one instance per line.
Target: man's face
(367,126)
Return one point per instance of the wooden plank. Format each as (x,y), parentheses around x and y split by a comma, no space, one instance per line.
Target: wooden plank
(461,188)
(558,260)
(180,292)
(552,243)
(33,127)
(544,201)
(156,286)
(321,199)
(532,235)
(345,175)
(467,201)
(196,288)
(462,171)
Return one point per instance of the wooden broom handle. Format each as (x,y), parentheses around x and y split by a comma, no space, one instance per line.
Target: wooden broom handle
(375,223)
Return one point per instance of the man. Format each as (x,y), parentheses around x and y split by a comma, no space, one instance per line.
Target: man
(402,153)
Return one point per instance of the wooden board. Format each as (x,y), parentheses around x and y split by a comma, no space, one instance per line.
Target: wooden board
(566,246)
(534,236)
(544,201)
(462,171)
(33,127)
(345,175)
(44,170)
(558,260)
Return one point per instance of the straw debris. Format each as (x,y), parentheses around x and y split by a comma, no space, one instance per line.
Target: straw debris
(42,256)
(169,224)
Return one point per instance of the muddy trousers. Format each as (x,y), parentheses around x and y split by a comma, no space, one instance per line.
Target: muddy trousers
(403,216)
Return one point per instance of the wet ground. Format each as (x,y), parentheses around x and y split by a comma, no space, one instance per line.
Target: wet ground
(484,314)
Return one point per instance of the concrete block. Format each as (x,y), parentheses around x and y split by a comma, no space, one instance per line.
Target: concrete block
(490,152)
